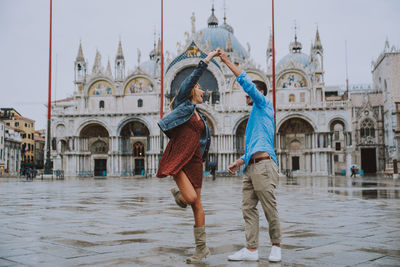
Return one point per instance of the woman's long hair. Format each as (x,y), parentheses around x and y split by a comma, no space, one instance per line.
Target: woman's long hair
(171,105)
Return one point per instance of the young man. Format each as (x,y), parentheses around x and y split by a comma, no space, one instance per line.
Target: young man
(261,169)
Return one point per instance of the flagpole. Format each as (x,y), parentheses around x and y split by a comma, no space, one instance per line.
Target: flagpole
(273,63)
(48,165)
(162,61)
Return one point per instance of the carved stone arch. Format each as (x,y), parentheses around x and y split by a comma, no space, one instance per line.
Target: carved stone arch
(128,120)
(299,116)
(300,71)
(254,74)
(138,75)
(295,125)
(92,121)
(62,145)
(238,122)
(212,124)
(60,130)
(192,63)
(97,79)
(339,119)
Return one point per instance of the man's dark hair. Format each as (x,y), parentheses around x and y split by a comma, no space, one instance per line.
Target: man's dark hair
(261,86)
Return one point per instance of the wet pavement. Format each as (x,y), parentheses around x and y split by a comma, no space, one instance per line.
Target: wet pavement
(135,222)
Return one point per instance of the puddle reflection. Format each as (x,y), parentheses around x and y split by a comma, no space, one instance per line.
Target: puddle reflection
(363,187)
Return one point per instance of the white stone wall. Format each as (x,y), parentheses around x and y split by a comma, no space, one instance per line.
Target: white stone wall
(386,77)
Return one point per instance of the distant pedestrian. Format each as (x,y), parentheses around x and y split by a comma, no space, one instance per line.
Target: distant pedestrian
(212,167)
(188,147)
(353,171)
(28,173)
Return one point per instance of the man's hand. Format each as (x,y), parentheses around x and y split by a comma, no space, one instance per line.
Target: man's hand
(222,55)
(235,166)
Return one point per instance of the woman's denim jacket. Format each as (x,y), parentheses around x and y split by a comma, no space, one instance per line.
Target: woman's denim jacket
(183,110)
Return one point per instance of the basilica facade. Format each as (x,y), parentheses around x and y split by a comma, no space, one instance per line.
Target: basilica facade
(109,126)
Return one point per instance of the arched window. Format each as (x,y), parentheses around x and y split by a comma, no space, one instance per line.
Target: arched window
(367,128)
(291,98)
(101,104)
(140,103)
(138,149)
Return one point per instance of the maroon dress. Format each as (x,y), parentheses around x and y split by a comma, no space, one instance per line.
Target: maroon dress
(183,152)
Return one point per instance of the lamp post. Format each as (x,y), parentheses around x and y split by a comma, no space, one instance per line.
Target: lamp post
(48,168)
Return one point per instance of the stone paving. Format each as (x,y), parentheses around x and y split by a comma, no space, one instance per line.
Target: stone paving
(135,222)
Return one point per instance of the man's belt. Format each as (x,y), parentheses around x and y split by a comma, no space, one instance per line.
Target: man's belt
(252,161)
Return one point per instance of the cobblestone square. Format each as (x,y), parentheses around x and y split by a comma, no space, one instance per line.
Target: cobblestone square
(326,221)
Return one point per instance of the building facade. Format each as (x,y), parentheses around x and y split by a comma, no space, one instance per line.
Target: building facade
(40,142)
(27,128)
(13,145)
(109,125)
(386,78)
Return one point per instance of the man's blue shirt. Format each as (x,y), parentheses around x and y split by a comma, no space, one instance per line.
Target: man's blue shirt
(260,126)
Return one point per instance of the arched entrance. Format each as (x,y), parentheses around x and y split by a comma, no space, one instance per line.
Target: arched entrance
(240,138)
(339,141)
(134,142)
(295,143)
(207,81)
(368,146)
(94,145)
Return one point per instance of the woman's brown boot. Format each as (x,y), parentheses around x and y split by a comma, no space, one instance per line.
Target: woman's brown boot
(176,193)
(202,250)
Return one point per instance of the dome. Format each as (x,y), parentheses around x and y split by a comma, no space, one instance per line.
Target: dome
(297,57)
(227,27)
(218,37)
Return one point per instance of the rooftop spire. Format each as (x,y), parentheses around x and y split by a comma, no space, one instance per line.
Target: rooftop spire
(108,71)
(212,20)
(269,49)
(193,21)
(229,44)
(224,12)
(120,54)
(97,63)
(295,47)
(317,42)
(80,57)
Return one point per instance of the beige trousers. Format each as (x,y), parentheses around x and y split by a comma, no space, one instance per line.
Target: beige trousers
(259,183)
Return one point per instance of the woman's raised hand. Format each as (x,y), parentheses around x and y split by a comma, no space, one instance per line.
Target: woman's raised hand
(211,55)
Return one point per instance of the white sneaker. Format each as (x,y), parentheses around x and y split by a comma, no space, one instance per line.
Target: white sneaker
(275,254)
(244,255)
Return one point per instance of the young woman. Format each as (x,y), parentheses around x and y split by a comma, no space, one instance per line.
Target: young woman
(187,149)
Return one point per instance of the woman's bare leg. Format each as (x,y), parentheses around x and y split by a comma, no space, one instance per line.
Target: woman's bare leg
(198,212)
(188,193)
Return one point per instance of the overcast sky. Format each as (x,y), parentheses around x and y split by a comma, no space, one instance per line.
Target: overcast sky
(99,24)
